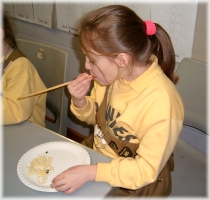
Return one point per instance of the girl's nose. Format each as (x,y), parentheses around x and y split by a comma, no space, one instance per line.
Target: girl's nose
(87,66)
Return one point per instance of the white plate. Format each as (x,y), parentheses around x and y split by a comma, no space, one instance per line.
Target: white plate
(65,155)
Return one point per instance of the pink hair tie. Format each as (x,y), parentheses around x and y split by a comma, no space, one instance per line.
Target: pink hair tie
(150,27)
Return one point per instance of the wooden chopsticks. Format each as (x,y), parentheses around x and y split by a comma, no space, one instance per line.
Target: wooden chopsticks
(43,91)
(46,90)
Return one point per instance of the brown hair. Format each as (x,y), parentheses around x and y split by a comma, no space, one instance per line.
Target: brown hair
(9,37)
(115,29)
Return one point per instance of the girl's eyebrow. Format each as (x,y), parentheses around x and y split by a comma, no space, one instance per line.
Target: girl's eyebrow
(84,53)
(89,57)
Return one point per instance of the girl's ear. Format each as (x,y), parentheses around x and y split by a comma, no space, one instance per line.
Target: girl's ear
(122,59)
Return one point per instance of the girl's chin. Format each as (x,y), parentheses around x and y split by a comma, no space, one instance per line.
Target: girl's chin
(101,83)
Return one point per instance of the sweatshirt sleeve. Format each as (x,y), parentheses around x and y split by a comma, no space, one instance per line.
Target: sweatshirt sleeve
(17,83)
(86,114)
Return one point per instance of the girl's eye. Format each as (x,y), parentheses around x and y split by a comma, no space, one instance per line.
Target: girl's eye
(91,62)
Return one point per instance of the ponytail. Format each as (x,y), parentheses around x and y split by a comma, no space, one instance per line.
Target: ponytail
(162,48)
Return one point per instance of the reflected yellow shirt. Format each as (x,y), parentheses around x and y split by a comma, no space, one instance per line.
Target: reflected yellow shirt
(20,79)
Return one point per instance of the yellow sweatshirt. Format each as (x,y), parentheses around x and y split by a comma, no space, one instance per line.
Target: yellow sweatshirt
(147,111)
(20,79)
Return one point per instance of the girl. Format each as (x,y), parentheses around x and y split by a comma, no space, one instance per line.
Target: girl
(134,105)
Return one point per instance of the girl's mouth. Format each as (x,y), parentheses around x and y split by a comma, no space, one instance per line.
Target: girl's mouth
(91,75)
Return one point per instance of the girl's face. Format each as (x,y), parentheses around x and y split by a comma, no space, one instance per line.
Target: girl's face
(103,69)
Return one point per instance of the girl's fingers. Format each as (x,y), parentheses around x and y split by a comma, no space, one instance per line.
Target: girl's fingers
(62,188)
(81,80)
(69,191)
(79,89)
(83,87)
(58,178)
(55,184)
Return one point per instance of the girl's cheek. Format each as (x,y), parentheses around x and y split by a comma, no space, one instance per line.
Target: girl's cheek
(95,71)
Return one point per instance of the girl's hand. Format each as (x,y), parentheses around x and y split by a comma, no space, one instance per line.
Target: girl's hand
(78,88)
(73,178)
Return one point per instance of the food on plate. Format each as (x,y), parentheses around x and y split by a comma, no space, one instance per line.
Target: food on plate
(40,167)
